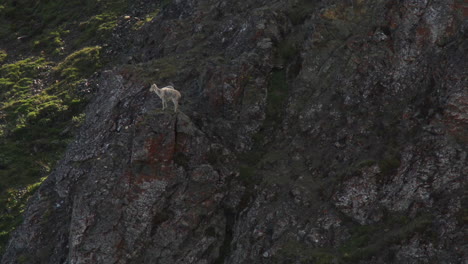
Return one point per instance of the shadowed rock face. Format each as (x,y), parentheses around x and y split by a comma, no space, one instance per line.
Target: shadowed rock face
(310,132)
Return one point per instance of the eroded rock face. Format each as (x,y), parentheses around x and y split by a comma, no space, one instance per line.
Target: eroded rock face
(320,132)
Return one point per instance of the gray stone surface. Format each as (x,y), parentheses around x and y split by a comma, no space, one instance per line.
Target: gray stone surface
(310,132)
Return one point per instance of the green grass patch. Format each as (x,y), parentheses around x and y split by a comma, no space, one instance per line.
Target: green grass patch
(38,110)
(97,28)
(3,55)
(36,124)
(16,84)
(12,204)
(51,42)
(147,18)
(41,99)
(80,64)
(46,15)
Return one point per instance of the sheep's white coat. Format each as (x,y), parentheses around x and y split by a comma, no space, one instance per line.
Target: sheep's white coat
(167,93)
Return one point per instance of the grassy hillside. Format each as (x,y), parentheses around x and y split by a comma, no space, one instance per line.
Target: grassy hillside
(48,49)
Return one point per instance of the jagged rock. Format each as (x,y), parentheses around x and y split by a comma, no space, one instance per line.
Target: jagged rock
(325,132)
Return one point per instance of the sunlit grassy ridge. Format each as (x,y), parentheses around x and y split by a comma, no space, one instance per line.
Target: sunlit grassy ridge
(47,51)
(33,18)
(34,117)
(12,205)
(37,116)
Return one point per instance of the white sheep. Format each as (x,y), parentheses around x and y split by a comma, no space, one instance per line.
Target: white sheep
(167,93)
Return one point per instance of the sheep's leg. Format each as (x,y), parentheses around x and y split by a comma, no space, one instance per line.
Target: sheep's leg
(175,104)
(164,104)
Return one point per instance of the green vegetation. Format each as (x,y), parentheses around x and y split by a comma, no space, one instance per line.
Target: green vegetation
(3,55)
(148,18)
(28,107)
(78,120)
(12,205)
(16,86)
(51,42)
(79,64)
(98,27)
(41,95)
(35,123)
(50,15)
(40,100)
(34,118)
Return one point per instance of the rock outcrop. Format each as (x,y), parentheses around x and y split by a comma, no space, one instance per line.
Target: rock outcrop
(310,132)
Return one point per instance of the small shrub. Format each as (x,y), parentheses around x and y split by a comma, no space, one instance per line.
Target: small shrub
(79,64)
(51,42)
(79,119)
(12,204)
(97,27)
(148,18)
(3,55)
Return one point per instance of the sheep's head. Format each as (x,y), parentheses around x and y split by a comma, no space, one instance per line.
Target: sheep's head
(153,88)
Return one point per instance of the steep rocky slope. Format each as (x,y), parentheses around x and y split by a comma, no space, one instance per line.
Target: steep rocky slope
(310,132)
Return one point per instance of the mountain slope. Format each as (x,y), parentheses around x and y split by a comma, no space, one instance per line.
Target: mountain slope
(310,132)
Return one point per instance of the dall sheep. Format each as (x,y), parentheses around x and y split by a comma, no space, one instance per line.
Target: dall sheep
(167,93)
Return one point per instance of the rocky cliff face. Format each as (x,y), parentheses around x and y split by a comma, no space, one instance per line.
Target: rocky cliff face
(310,132)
